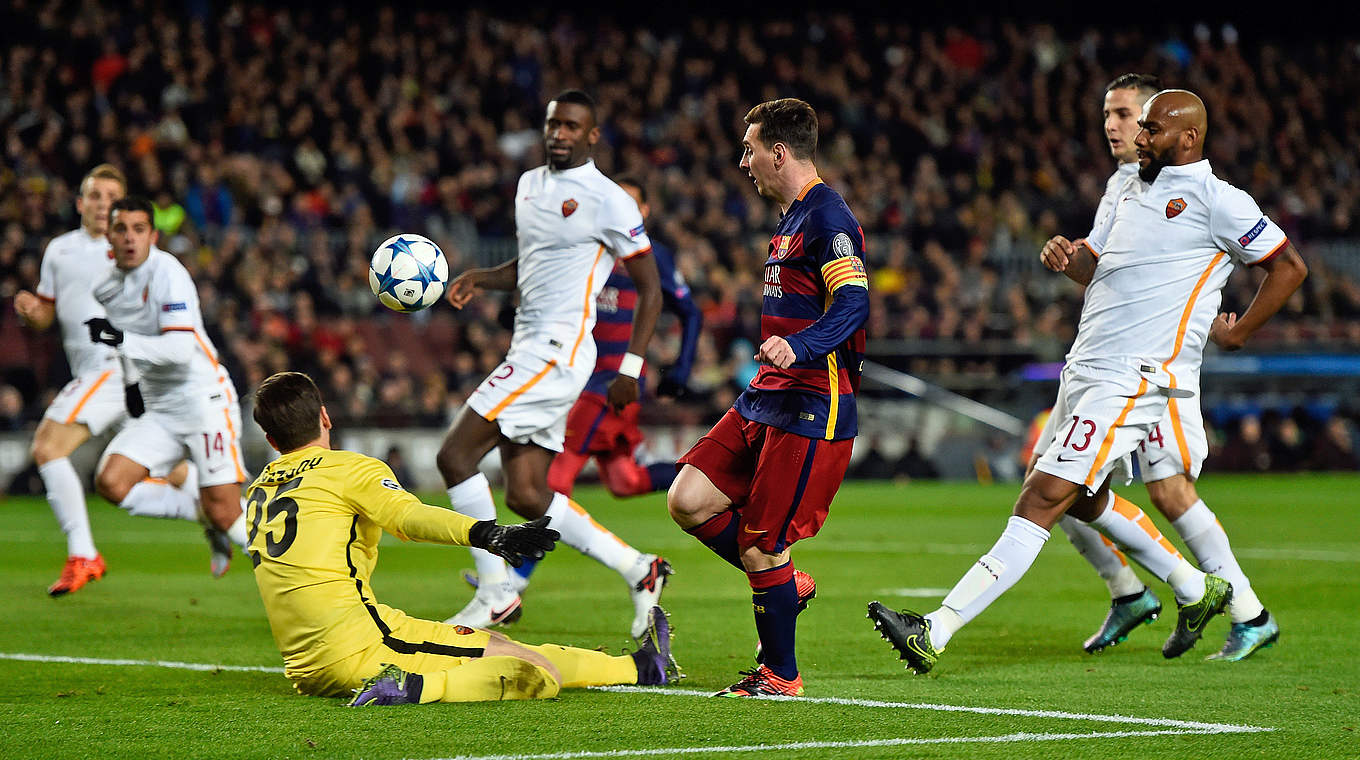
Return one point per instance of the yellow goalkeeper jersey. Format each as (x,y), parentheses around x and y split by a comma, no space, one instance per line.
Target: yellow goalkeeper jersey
(316,516)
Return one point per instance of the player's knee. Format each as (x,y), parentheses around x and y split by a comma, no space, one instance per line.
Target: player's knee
(1172,496)
(112,485)
(52,441)
(45,451)
(527,501)
(453,464)
(221,505)
(684,501)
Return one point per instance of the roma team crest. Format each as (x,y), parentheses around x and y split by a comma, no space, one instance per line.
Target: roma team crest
(569,207)
(1174,207)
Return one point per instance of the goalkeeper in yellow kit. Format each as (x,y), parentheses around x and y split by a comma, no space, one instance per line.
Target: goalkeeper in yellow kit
(315,518)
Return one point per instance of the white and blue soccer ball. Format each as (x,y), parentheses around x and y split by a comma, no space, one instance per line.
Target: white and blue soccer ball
(408,273)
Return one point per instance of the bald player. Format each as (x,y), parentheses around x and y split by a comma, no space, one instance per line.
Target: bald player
(1169,461)
(1154,269)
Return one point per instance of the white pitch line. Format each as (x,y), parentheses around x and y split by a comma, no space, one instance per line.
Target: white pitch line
(1299,555)
(1185,725)
(1170,727)
(913,592)
(1125,719)
(794,746)
(198,666)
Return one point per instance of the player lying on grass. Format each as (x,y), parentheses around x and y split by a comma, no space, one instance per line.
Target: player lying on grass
(316,516)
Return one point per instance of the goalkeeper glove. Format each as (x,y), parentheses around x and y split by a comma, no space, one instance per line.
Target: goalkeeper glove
(514,543)
(103,331)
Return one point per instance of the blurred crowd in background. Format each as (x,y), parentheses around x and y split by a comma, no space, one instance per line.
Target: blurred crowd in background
(280,146)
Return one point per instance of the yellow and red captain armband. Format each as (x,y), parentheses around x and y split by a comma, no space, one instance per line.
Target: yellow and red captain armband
(846,270)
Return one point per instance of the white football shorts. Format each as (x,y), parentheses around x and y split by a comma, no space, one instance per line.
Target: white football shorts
(1177,445)
(210,436)
(529,398)
(94,400)
(1100,417)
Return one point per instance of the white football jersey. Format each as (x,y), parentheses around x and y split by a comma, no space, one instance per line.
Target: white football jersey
(1112,187)
(156,298)
(71,265)
(1164,255)
(572,225)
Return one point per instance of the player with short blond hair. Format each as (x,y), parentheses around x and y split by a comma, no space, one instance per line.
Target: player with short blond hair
(92,402)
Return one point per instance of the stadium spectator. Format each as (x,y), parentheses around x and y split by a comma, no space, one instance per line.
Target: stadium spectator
(295,140)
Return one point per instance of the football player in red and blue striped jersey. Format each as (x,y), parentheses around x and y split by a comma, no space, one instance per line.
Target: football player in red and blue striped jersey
(764,476)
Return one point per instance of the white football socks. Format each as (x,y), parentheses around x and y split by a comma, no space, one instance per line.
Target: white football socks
(1135,533)
(150,498)
(1108,561)
(1207,540)
(67,497)
(472,497)
(580,531)
(987,579)
(237,532)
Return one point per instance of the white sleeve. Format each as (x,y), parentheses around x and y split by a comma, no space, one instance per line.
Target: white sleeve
(47,274)
(1112,188)
(175,299)
(620,225)
(1238,227)
(1100,233)
(167,349)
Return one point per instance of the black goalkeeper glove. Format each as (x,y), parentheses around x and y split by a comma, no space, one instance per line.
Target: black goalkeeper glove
(514,543)
(132,398)
(103,331)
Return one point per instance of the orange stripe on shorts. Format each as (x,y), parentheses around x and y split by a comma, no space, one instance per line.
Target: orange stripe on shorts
(240,472)
(498,408)
(81,404)
(1109,434)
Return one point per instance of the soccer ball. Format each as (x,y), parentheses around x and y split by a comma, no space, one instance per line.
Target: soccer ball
(408,273)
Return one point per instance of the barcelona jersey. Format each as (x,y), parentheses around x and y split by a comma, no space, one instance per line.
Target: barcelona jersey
(816,298)
(614,323)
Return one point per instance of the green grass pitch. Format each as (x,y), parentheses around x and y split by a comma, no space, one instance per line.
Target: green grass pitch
(1298,538)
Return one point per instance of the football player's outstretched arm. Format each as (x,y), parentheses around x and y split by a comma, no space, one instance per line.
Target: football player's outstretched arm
(374,492)
(1285,272)
(470,283)
(642,269)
